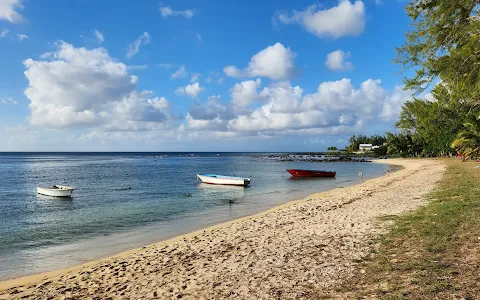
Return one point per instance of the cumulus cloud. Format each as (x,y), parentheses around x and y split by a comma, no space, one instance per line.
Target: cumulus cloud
(215,115)
(167,11)
(275,62)
(336,107)
(245,93)
(180,73)
(213,109)
(191,90)
(99,36)
(8,10)
(345,19)
(337,61)
(134,47)
(86,87)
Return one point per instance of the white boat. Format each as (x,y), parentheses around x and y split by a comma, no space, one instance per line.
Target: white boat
(223,180)
(56,191)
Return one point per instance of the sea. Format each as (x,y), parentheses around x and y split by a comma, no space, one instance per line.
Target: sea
(124,201)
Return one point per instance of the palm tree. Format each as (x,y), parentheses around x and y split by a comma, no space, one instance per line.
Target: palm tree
(467,141)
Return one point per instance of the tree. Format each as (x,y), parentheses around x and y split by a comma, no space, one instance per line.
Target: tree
(402,144)
(435,123)
(467,141)
(381,151)
(332,148)
(443,44)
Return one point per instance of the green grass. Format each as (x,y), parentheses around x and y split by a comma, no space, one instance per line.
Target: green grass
(431,253)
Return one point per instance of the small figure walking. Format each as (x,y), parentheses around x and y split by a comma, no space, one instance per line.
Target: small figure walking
(361,175)
(388,172)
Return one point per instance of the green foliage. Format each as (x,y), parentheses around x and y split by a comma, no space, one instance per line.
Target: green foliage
(381,151)
(403,144)
(442,45)
(332,148)
(433,124)
(467,141)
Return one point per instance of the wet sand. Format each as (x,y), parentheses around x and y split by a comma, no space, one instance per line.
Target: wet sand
(288,252)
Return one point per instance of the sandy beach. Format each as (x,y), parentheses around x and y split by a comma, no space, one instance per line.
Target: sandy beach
(289,252)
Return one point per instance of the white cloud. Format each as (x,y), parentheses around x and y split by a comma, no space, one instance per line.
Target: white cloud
(345,19)
(337,61)
(7,100)
(134,47)
(82,87)
(167,11)
(99,36)
(191,90)
(275,62)
(22,37)
(245,93)
(210,111)
(180,73)
(195,77)
(337,107)
(393,105)
(8,10)
(199,37)
(4,32)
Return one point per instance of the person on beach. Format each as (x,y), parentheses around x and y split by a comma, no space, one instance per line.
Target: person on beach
(388,172)
(361,175)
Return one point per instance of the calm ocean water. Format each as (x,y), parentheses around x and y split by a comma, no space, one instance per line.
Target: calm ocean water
(126,200)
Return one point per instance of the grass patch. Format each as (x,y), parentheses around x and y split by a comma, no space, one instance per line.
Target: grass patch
(431,253)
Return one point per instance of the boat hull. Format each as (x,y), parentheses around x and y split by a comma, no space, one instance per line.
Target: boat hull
(311,173)
(223,180)
(60,191)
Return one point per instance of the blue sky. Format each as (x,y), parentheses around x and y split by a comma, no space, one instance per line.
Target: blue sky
(197,75)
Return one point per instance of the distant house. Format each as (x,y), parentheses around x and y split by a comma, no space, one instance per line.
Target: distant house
(365,147)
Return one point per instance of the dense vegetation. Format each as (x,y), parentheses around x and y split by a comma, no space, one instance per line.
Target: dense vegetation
(443,50)
(443,47)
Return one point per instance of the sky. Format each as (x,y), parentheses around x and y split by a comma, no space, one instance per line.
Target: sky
(191,75)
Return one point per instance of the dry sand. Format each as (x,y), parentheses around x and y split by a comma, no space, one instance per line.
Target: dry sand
(288,252)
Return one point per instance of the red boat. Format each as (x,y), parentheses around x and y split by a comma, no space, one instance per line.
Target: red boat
(311,173)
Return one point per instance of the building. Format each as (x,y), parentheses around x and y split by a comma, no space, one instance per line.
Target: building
(365,147)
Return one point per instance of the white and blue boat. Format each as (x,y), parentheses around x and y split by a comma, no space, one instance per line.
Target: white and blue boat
(223,180)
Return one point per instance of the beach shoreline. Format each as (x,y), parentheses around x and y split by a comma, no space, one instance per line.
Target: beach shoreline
(179,242)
